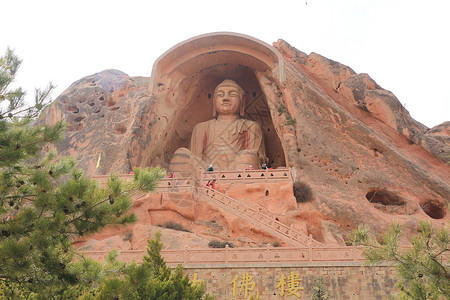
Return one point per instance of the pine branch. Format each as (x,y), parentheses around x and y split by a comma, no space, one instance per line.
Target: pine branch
(6,113)
(20,196)
(446,274)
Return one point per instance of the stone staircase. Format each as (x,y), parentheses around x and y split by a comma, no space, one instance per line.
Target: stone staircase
(263,221)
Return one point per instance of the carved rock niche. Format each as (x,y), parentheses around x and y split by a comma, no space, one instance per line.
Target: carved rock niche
(185,77)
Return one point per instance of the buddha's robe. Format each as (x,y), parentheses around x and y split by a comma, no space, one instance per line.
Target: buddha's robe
(221,143)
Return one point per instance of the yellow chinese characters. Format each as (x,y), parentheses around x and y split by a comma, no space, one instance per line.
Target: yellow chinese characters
(245,284)
(290,285)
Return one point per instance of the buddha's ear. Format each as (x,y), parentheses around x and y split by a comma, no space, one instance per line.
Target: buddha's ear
(242,106)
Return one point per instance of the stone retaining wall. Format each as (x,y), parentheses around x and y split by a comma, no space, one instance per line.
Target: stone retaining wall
(295,281)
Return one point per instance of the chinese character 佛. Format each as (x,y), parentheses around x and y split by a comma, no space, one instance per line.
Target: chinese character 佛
(246,284)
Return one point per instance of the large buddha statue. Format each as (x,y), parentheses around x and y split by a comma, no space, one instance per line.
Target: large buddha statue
(227,142)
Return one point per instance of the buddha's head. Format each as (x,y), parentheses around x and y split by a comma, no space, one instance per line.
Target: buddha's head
(228,99)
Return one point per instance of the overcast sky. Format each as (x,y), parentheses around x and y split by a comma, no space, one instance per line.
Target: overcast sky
(404,45)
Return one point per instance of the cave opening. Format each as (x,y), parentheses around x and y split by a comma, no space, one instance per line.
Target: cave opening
(386,201)
(433,209)
(197,107)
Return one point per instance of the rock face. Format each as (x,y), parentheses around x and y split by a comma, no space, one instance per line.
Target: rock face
(197,221)
(101,112)
(355,154)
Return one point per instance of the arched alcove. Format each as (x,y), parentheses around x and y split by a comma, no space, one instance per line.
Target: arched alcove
(199,109)
(201,52)
(183,79)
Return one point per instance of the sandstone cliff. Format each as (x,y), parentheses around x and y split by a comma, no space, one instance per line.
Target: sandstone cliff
(355,154)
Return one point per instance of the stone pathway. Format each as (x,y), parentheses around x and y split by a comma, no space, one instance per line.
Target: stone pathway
(262,221)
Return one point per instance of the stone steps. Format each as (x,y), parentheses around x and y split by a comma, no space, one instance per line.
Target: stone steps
(262,221)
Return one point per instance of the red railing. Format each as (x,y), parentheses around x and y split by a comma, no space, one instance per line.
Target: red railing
(253,175)
(170,184)
(227,255)
(165,184)
(246,175)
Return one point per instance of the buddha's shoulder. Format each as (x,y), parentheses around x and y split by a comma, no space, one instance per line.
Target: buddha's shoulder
(204,125)
(250,124)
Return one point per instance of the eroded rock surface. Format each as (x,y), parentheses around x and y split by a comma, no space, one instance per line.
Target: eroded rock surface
(356,149)
(101,111)
(196,221)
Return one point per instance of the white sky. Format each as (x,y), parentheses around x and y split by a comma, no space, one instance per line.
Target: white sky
(404,45)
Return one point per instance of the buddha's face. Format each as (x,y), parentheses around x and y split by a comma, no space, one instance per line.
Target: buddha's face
(227,100)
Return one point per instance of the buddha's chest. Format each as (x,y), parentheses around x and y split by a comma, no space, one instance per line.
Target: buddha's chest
(228,135)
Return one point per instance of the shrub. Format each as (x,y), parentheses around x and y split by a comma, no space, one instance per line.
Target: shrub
(282,110)
(128,237)
(174,226)
(302,192)
(219,244)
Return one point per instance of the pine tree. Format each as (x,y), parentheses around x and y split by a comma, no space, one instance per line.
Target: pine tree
(45,203)
(422,272)
(318,292)
(150,280)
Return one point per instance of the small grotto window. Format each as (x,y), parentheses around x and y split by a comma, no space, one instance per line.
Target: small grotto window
(433,209)
(386,201)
